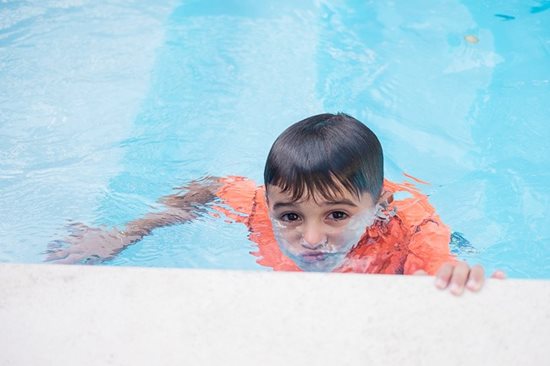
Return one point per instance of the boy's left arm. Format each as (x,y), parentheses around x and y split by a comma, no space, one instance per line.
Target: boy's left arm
(458,276)
(430,255)
(429,252)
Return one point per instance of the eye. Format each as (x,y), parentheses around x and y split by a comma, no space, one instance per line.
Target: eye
(290,217)
(338,215)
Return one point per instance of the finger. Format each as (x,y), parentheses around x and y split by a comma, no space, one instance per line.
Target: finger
(420,272)
(56,244)
(55,255)
(70,259)
(499,275)
(443,276)
(476,278)
(61,257)
(459,278)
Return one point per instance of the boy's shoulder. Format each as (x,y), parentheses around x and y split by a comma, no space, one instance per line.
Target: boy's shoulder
(238,195)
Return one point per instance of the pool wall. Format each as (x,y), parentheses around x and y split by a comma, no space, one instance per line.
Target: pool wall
(65,315)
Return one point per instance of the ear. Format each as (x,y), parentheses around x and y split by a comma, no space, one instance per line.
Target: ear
(266,197)
(385,198)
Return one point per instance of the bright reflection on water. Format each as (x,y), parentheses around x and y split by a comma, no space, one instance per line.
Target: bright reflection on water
(107,106)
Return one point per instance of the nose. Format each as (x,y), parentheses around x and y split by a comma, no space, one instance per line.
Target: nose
(313,237)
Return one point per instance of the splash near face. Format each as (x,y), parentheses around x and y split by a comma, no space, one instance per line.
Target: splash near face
(327,246)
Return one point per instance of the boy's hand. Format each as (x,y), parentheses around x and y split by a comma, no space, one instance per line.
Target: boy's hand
(458,276)
(85,245)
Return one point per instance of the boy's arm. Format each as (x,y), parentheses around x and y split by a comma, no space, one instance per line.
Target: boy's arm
(91,245)
(459,276)
(429,247)
(432,256)
(179,208)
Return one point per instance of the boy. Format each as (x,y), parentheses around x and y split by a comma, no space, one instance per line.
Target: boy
(325,207)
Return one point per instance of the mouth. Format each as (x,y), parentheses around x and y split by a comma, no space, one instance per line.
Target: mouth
(311,257)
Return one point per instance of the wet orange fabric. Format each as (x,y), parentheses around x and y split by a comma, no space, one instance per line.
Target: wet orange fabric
(414,239)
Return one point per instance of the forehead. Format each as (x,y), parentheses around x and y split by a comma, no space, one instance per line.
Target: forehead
(276,195)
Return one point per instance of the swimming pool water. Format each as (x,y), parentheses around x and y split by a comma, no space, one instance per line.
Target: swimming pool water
(107,106)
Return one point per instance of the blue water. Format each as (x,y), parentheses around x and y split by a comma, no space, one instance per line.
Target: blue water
(106,106)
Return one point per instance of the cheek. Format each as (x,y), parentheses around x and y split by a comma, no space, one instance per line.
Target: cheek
(344,238)
(291,236)
(287,237)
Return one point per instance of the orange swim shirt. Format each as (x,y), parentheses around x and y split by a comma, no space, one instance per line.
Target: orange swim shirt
(413,239)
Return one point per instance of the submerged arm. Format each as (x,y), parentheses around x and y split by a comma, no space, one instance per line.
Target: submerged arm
(90,245)
(179,209)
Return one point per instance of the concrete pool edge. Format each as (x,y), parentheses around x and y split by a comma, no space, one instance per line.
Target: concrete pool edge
(54,314)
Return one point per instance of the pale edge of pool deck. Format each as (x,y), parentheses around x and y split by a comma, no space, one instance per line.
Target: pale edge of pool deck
(85,315)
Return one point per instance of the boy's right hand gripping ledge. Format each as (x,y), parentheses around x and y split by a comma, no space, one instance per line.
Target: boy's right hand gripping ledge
(458,276)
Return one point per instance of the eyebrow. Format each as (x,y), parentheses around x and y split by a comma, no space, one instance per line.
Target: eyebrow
(283,204)
(346,202)
(339,202)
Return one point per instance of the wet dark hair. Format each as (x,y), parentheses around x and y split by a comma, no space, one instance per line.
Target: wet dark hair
(325,154)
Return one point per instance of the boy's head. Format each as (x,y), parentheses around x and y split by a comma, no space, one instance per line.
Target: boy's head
(323,154)
(323,179)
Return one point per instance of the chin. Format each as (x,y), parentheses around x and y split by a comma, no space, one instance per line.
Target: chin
(327,265)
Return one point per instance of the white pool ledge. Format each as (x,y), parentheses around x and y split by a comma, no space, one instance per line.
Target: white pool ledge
(84,315)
